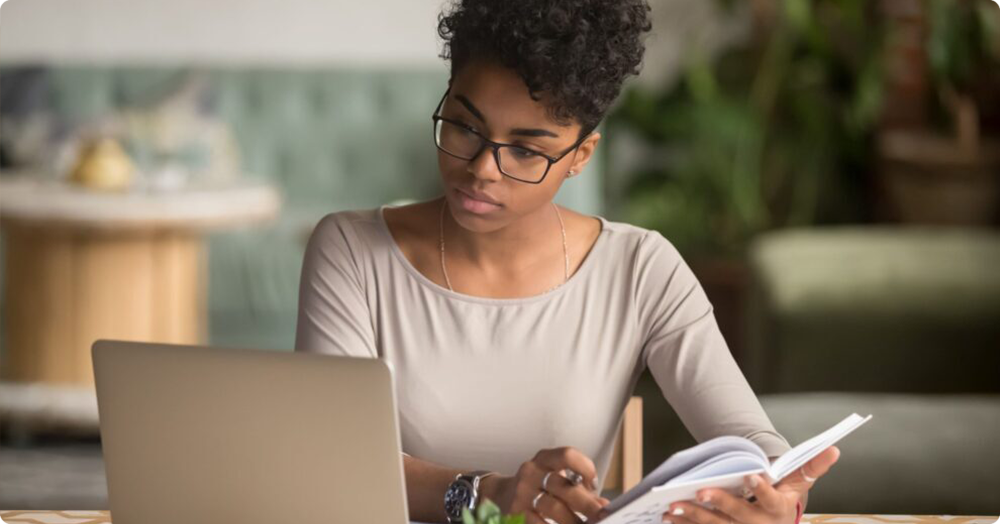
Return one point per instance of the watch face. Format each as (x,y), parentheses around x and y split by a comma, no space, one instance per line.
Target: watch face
(458,496)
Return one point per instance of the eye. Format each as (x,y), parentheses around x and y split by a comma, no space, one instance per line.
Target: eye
(466,128)
(523,154)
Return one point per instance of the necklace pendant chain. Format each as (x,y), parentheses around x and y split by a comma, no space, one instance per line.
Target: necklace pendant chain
(562,228)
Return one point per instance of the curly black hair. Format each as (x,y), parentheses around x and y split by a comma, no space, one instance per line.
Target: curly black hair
(576,52)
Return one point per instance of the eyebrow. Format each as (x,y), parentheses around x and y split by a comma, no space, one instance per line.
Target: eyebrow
(533,132)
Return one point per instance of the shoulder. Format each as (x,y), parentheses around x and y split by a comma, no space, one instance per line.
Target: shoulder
(345,235)
(375,230)
(639,245)
(651,265)
(346,222)
(665,290)
(625,239)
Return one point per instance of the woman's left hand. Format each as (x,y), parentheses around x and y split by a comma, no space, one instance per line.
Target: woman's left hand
(774,505)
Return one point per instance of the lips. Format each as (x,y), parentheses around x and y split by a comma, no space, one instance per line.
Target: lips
(482,197)
(475,205)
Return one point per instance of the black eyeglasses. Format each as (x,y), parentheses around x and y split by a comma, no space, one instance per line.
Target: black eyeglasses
(520,163)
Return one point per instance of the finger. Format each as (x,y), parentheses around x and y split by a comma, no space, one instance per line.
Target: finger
(529,479)
(694,513)
(540,519)
(532,517)
(528,485)
(768,498)
(820,464)
(673,519)
(736,507)
(577,498)
(572,458)
(803,478)
(553,508)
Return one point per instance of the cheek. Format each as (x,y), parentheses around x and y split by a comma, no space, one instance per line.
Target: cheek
(451,168)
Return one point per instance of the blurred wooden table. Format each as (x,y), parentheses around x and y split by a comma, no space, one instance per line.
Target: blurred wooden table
(82,265)
(103,517)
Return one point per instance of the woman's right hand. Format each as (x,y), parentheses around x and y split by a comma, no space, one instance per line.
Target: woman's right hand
(561,500)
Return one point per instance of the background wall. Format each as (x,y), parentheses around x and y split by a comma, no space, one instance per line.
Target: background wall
(400,33)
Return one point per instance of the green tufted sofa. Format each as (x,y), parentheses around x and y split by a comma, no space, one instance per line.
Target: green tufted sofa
(328,138)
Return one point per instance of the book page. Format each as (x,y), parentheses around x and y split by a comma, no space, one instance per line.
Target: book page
(683,461)
(724,464)
(721,463)
(650,507)
(798,456)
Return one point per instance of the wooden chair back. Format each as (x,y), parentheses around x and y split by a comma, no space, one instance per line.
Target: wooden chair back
(626,460)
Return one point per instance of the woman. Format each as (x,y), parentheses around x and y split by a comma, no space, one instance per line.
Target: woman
(517,328)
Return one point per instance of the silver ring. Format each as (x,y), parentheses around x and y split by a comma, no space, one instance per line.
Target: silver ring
(802,470)
(534,503)
(545,481)
(573,476)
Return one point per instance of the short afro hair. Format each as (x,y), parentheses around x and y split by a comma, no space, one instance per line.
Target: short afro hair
(576,52)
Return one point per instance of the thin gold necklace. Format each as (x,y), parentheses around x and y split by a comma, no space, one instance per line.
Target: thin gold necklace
(562,228)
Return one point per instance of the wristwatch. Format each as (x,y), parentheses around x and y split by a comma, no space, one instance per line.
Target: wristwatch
(463,493)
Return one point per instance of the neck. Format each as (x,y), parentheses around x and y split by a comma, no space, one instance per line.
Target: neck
(516,245)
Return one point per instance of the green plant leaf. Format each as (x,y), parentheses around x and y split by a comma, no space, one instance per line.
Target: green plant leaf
(489,513)
(487,510)
(773,132)
(799,14)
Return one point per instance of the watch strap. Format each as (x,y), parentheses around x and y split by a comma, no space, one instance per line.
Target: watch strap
(474,478)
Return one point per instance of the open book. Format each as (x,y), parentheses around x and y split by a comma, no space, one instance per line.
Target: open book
(722,462)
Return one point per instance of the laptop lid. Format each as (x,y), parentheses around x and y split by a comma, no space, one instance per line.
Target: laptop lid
(207,435)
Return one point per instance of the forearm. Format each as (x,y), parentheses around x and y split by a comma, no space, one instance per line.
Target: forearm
(426,484)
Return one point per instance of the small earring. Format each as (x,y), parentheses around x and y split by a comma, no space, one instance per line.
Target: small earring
(572,173)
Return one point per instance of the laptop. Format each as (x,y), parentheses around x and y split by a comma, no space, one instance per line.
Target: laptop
(206,435)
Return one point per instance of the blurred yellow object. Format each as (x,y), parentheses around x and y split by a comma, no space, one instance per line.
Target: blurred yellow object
(103,165)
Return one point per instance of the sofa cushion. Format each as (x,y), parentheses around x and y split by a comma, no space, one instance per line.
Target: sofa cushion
(919,454)
(875,309)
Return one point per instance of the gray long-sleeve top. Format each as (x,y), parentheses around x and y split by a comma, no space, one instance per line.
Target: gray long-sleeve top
(486,383)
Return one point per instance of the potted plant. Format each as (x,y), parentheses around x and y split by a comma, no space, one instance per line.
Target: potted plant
(946,168)
(776,131)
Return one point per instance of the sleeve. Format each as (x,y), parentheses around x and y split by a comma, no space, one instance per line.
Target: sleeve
(686,354)
(334,317)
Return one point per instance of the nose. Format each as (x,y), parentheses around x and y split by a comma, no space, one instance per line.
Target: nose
(484,166)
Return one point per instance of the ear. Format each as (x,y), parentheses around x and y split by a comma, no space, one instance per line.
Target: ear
(584,153)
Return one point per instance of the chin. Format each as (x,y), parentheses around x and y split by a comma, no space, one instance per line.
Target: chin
(476,223)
